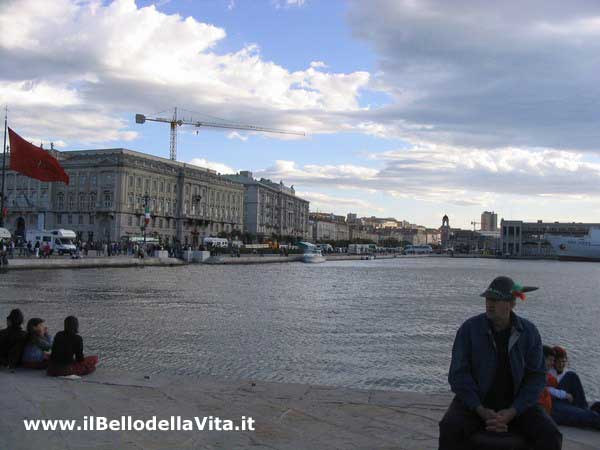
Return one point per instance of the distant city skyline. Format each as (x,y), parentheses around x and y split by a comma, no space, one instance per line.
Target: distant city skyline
(413,109)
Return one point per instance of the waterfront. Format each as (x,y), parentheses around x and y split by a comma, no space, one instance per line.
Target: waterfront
(385,324)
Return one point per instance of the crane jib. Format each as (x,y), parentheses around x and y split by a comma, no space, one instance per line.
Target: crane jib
(174,122)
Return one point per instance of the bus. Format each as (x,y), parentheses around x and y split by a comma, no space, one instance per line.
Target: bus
(418,250)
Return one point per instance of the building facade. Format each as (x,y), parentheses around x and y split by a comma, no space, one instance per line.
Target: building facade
(109,191)
(272,209)
(519,238)
(489,221)
(328,227)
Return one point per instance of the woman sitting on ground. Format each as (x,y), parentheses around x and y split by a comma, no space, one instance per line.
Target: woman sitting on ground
(39,343)
(67,352)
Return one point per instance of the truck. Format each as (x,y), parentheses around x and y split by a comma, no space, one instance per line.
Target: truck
(60,241)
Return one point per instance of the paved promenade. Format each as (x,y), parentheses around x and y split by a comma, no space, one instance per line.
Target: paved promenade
(288,416)
(82,263)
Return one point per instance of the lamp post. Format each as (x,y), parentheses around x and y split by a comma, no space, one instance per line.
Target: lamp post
(146,216)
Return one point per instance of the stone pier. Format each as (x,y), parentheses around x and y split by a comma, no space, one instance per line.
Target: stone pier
(287,416)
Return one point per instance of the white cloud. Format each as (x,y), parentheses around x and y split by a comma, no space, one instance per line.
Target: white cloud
(338,205)
(217,166)
(117,58)
(236,135)
(288,3)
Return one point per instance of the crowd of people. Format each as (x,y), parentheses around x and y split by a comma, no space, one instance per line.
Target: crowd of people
(36,348)
(10,249)
(507,385)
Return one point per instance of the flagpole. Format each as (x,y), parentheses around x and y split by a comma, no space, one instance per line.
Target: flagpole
(3,169)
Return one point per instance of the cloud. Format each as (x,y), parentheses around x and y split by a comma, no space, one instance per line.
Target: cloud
(453,175)
(217,166)
(101,60)
(288,3)
(338,205)
(467,73)
(236,135)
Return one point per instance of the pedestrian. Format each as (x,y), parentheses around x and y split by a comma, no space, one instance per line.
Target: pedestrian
(37,249)
(498,374)
(67,352)
(12,340)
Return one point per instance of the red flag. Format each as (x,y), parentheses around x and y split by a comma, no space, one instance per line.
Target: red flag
(34,162)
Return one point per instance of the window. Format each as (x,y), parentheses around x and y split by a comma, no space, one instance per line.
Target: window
(146,185)
(130,220)
(59,219)
(174,188)
(93,200)
(93,180)
(130,200)
(82,205)
(154,185)
(162,186)
(71,201)
(139,183)
(107,199)
(160,223)
(131,186)
(82,179)
(80,219)
(70,219)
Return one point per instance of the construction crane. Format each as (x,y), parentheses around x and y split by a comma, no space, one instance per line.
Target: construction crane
(175,122)
(475,224)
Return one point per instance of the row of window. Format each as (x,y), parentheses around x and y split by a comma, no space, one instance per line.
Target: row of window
(79,219)
(198,193)
(84,201)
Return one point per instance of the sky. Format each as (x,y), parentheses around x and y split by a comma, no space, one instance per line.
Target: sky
(412,108)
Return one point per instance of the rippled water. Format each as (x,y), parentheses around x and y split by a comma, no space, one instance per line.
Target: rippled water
(386,324)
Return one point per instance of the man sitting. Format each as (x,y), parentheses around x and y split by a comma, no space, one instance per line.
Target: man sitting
(497,373)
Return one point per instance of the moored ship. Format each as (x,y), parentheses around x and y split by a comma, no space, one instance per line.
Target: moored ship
(572,248)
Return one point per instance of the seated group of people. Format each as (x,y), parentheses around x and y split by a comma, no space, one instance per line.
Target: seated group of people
(35,348)
(564,397)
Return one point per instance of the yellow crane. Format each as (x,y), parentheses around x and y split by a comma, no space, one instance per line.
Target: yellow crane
(176,122)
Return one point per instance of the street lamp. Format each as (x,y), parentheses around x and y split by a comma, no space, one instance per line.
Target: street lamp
(146,216)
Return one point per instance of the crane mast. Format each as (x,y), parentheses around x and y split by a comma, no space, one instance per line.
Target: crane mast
(175,122)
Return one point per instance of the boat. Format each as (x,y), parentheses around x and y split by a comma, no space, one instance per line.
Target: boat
(574,248)
(312,254)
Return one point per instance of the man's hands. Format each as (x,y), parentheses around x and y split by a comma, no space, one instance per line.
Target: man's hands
(569,398)
(496,421)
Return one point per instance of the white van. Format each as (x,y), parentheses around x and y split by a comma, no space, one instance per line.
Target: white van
(216,242)
(61,241)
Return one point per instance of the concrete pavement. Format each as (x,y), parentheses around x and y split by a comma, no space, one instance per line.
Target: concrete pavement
(288,416)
